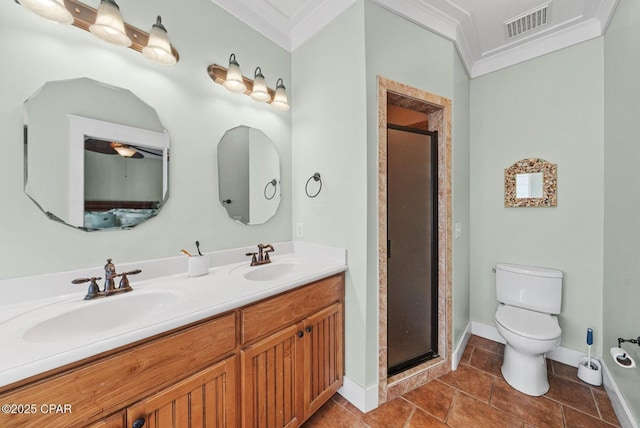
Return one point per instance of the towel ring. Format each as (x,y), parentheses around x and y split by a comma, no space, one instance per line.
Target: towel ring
(315,177)
(273,182)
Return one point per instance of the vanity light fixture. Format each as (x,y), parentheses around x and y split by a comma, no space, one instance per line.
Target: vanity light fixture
(280,98)
(258,89)
(259,92)
(234,81)
(158,48)
(109,25)
(53,10)
(106,22)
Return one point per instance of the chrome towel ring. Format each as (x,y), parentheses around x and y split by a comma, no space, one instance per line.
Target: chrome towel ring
(315,177)
(274,183)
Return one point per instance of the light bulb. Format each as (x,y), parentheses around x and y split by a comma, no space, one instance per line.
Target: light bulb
(234,81)
(53,10)
(260,92)
(109,25)
(158,48)
(280,98)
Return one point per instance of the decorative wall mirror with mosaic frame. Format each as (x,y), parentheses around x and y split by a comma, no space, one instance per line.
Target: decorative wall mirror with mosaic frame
(531,183)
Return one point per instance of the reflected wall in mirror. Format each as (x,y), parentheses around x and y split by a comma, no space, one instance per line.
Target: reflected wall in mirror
(531,183)
(248,175)
(96,156)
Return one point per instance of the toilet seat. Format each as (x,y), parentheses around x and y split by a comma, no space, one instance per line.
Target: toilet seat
(528,324)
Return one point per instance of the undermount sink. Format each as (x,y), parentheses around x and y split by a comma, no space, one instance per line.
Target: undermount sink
(101,315)
(271,272)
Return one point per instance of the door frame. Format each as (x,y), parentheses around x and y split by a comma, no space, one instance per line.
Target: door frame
(438,110)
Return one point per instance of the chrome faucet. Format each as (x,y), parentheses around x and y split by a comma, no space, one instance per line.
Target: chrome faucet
(110,274)
(262,256)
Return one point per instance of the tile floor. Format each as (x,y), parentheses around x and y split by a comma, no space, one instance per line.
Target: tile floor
(476,395)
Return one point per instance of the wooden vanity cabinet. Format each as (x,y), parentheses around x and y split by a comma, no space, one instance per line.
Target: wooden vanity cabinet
(207,399)
(107,385)
(276,361)
(113,421)
(288,374)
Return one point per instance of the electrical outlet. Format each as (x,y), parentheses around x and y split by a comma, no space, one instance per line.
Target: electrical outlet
(458,230)
(299,230)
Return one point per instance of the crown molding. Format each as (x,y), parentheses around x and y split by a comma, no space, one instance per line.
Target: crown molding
(605,14)
(454,24)
(552,42)
(264,21)
(321,16)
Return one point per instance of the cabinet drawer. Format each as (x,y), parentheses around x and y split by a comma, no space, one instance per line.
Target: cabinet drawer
(277,312)
(113,382)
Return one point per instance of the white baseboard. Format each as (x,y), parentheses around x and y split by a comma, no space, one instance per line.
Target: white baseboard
(456,355)
(365,399)
(620,406)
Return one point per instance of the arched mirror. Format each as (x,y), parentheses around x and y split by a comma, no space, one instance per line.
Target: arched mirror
(96,156)
(248,175)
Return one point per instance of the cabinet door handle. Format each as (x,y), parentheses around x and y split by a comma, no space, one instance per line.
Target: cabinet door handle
(138,423)
(300,333)
(309,329)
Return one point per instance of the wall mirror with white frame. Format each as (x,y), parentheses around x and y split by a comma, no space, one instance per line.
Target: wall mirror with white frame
(96,157)
(248,175)
(531,183)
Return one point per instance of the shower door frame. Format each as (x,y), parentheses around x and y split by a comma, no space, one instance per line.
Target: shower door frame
(431,240)
(438,110)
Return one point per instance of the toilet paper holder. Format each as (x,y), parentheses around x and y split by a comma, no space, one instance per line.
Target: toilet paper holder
(621,341)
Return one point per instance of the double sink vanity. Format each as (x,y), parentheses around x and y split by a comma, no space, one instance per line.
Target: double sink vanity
(241,346)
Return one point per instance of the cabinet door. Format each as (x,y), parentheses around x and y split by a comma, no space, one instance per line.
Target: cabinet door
(323,357)
(206,399)
(114,421)
(271,376)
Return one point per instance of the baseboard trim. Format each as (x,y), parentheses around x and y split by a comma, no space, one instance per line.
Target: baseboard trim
(620,406)
(365,399)
(456,356)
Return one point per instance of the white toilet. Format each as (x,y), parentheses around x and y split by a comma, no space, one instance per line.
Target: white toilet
(529,297)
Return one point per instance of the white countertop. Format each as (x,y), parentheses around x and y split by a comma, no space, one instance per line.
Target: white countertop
(157,304)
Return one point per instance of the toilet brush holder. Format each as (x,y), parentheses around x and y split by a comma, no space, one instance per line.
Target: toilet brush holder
(590,372)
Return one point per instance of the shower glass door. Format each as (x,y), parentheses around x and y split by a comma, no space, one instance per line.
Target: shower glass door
(412,238)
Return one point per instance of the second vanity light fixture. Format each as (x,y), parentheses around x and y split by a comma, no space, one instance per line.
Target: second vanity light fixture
(232,79)
(106,23)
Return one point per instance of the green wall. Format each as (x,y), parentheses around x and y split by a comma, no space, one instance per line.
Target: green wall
(194,110)
(552,108)
(335,133)
(622,184)
(461,199)
(329,130)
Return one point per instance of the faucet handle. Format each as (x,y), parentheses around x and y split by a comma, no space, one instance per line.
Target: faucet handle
(124,281)
(267,249)
(254,260)
(94,288)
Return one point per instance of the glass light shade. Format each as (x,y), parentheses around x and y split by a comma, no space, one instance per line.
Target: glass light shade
(124,151)
(260,92)
(53,10)
(109,25)
(158,48)
(234,81)
(280,98)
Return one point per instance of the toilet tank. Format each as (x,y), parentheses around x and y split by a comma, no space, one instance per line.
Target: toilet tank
(534,288)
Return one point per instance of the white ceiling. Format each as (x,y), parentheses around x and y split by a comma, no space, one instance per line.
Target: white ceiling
(477,27)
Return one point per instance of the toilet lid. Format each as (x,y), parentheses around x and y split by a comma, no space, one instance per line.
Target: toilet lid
(526,323)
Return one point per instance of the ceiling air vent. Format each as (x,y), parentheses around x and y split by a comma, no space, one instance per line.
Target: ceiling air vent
(528,21)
